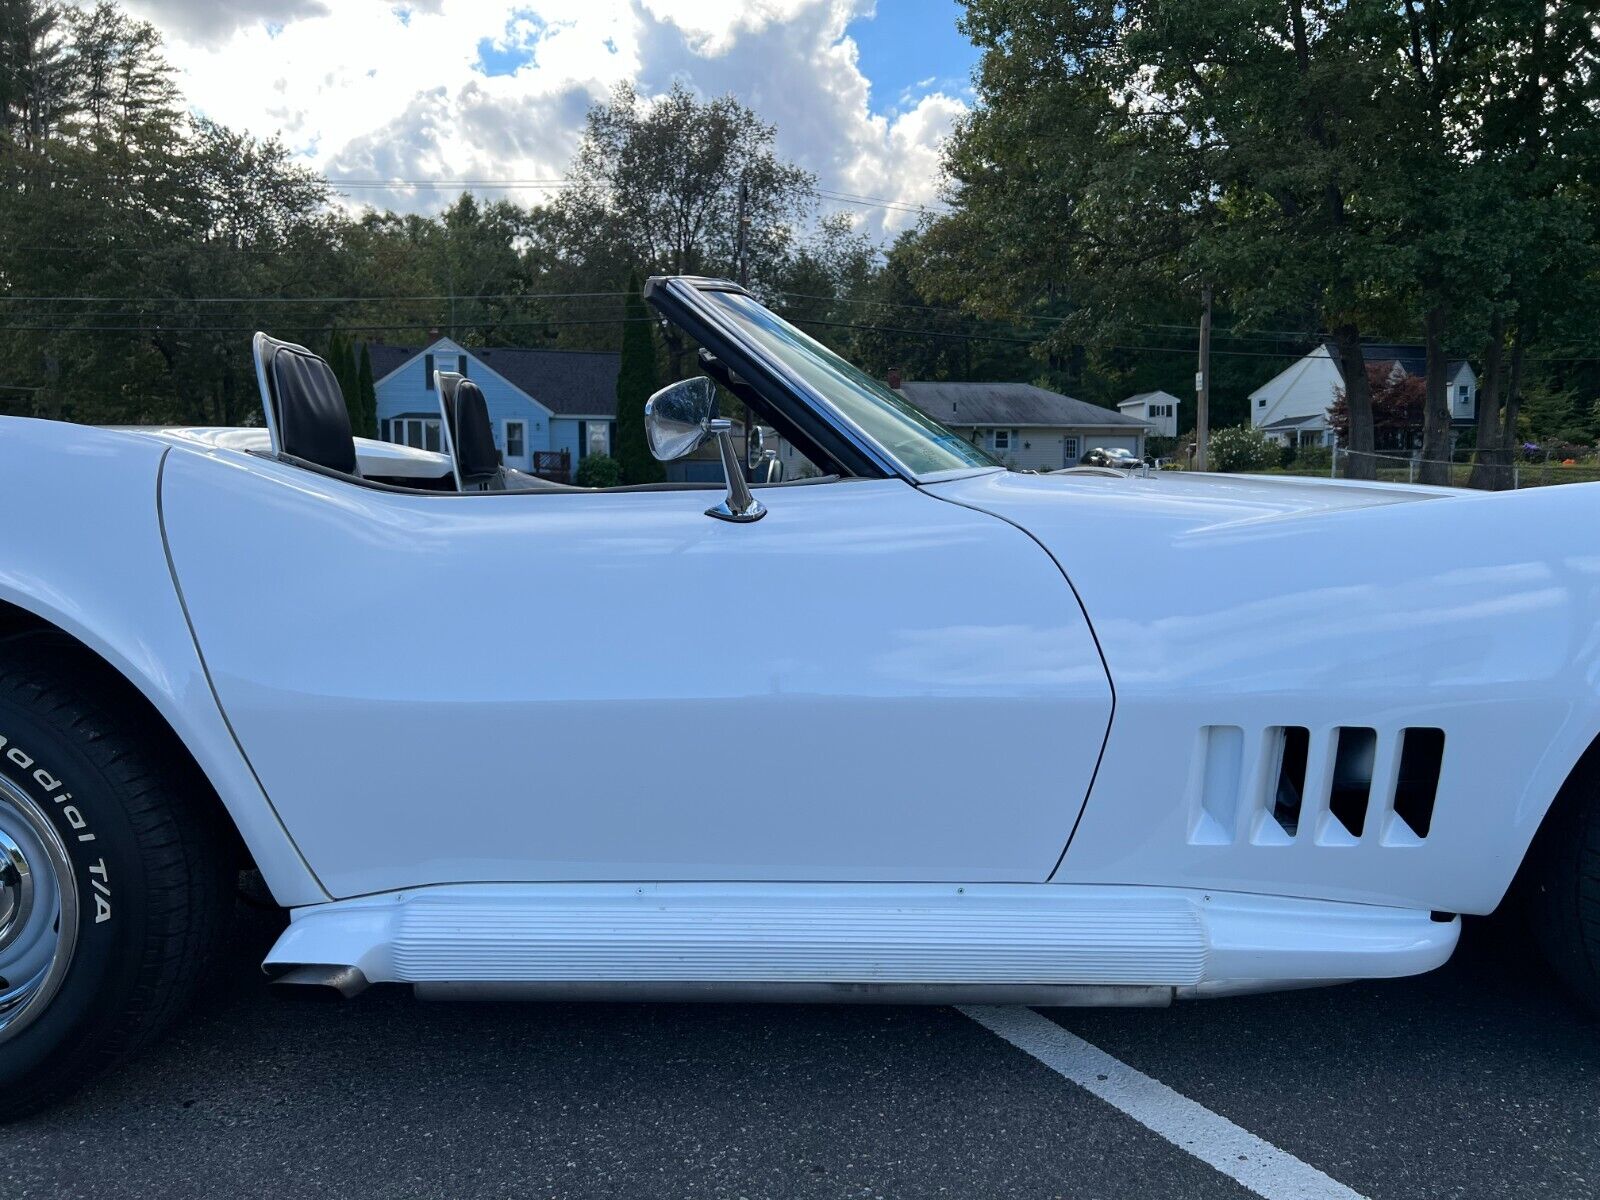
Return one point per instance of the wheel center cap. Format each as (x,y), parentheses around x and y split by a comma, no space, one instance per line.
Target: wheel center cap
(16,889)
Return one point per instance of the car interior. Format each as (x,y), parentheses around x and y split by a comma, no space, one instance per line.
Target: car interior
(310,428)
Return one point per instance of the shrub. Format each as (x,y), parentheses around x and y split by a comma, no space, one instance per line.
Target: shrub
(1243,448)
(1314,458)
(598,470)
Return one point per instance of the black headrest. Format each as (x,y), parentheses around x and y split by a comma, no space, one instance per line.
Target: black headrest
(307,405)
(476,457)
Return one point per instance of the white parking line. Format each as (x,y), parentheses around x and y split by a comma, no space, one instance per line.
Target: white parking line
(1193,1128)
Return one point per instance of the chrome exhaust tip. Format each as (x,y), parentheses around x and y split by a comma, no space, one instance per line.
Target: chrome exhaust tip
(344,982)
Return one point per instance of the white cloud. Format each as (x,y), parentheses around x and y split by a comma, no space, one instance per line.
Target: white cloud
(212,21)
(395,88)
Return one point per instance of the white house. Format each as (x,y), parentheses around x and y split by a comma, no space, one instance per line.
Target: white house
(558,403)
(1292,406)
(1159,410)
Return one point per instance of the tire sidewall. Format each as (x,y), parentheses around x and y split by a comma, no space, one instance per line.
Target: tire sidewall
(59,773)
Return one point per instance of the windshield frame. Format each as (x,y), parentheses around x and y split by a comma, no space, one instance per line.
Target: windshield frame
(686,291)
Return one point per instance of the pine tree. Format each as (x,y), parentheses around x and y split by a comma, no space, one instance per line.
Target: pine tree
(636,383)
(368,394)
(341,358)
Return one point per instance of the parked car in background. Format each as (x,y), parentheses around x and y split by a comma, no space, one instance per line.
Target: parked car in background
(1114,456)
(488,735)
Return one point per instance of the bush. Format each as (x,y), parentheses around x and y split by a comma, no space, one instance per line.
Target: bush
(1314,458)
(598,470)
(1243,448)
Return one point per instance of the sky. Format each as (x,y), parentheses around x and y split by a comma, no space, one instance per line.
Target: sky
(863,92)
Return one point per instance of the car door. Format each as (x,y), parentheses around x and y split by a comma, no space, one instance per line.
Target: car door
(869,684)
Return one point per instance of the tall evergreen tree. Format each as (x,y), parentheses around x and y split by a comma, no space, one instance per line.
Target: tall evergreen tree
(341,357)
(636,383)
(367,426)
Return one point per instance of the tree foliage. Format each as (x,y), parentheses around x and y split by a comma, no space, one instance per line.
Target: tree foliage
(636,383)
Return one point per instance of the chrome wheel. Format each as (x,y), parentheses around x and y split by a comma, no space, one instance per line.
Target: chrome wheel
(38,911)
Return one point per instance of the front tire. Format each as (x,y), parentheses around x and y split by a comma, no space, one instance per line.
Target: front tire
(114,872)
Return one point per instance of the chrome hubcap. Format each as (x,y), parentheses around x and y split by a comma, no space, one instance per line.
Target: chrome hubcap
(38,911)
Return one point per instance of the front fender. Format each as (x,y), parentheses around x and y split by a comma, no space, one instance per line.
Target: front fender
(1256,604)
(81,547)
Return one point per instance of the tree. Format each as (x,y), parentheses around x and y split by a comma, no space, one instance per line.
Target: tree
(1122,155)
(637,381)
(655,189)
(342,359)
(367,426)
(1398,404)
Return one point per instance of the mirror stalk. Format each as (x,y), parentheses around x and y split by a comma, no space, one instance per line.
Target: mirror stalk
(739,505)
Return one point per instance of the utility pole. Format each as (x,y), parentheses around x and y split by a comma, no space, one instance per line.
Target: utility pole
(743,264)
(1202,386)
(744,229)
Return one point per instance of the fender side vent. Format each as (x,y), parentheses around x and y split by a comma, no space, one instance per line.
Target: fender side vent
(1353,762)
(1293,746)
(1220,765)
(1421,758)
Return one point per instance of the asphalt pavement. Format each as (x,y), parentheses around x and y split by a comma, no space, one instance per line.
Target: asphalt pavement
(1477,1080)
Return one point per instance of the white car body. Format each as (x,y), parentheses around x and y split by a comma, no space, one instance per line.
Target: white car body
(904,738)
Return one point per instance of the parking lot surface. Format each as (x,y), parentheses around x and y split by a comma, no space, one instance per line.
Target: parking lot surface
(1477,1080)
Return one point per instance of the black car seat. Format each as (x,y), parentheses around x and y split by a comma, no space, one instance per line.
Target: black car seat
(304,406)
(466,419)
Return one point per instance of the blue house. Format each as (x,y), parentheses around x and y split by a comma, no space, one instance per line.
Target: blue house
(539,400)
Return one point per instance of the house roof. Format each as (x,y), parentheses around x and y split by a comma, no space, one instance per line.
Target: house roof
(567,382)
(1011,404)
(1413,360)
(1318,420)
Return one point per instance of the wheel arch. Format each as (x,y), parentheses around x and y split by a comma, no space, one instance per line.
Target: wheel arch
(262,844)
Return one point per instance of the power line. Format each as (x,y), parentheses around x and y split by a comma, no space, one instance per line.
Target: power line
(305,299)
(419,327)
(830,194)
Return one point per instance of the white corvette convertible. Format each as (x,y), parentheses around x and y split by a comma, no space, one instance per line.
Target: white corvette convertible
(919,729)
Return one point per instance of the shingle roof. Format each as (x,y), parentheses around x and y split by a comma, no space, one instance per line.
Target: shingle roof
(567,382)
(1010,404)
(1137,396)
(1413,360)
(1294,422)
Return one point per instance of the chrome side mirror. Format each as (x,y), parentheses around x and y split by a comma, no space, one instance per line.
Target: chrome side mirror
(678,419)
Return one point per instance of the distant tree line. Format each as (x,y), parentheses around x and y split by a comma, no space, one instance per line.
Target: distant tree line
(1362,169)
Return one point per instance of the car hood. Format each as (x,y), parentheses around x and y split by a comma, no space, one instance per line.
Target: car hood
(1180,501)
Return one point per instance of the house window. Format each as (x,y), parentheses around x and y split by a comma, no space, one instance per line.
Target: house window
(462,359)
(1261,403)
(516,439)
(1069,449)
(421,432)
(1461,395)
(1002,439)
(599,437)
(427,372)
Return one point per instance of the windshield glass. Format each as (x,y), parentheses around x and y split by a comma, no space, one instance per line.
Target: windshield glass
(917,442)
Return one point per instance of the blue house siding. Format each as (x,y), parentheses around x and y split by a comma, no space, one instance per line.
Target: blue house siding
(406,391)
(564,436)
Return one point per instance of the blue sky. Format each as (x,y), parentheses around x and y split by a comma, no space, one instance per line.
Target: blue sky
(909,42)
